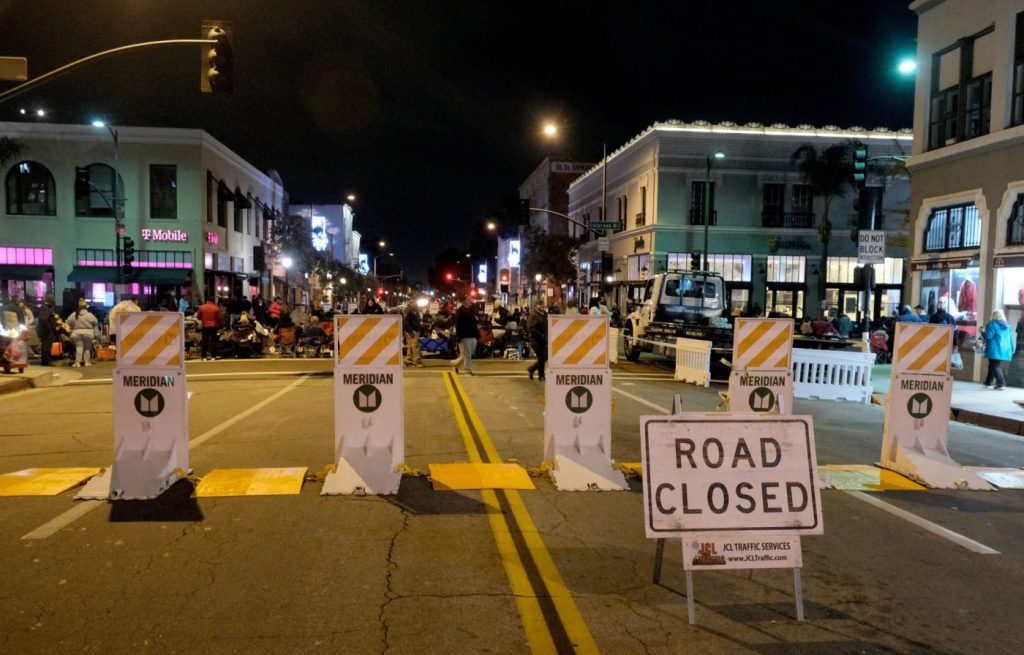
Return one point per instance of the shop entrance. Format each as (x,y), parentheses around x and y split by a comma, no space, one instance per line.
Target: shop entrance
(785,301)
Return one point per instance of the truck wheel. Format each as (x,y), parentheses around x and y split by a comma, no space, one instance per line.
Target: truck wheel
(632,348)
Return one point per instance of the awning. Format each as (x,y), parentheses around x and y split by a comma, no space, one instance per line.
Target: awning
(93,274)
(224,193)
(23,272)
(162,275)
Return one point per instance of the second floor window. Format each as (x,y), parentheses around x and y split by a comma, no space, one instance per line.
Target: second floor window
(641,218)
(94,190)
(163,191)
(1017,108)
(697,202)
(773,209)
(953,228)
(961,96)
(30,190)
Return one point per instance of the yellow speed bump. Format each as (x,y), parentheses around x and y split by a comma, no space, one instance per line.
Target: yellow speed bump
(251,482)
(479,476)
(631,469)
(44,481)
(864,477)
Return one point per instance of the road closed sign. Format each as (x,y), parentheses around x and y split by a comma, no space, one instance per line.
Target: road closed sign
(729,473)
(871,247)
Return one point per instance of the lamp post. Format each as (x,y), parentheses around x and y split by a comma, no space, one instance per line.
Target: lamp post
(116,205)
(286,263)
(707,203)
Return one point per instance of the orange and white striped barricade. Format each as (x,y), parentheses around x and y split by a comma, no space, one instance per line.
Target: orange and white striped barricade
(761,380)
(578,405)
(150,409)
(369,403)
(916,430)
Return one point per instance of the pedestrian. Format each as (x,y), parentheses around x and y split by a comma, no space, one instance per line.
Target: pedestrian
(84,328)
(412,325)
(46,330)
(572,308)
(922,316)
(595,308)
(843,325)
(127,304)
(209,317)
(274,312)
(234,309)
(908,315)
(467,331)
(999,347)
(183,304)
(372,307)
(942,317)
(246,306)
(537,333)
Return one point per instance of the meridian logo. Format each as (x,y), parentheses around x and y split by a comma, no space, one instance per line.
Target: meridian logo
(367,398)
(762,399)
(149,403)
(579,400)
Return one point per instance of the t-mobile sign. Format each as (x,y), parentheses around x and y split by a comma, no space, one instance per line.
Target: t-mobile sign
(176,236)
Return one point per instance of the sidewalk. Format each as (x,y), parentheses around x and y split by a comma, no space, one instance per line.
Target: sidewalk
(972,402)
(36,376)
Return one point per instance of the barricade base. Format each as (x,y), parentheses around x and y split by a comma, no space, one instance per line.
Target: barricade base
(934,469)
(586,471)
(371,474)
(146,473)
(97,488)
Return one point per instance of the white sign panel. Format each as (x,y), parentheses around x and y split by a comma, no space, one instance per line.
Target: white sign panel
(150,431)
(577,409)
(720,552)
(761,391)
(871,247)
(603,244)
(917,414)
(717,473)
(513,253)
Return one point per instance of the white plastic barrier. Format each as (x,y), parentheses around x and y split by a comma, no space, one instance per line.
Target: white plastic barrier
(693,361)
(613,345)
(832,375)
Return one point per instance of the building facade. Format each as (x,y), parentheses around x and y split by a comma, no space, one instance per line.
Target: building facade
(967,200)
(765,229)
(198,215)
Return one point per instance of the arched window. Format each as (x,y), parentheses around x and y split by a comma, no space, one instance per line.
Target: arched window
(1015,226)
(93,195)
(30,190)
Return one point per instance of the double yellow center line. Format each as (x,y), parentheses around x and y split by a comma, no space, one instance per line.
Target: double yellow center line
(550,617)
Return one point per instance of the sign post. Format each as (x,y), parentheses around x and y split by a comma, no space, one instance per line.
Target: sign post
(761,380)
(150,409)
(916,428)
(578,405)
(737,489)
(369,401)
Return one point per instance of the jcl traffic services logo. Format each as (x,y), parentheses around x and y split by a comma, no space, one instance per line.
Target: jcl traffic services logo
(366,398)
(579,399)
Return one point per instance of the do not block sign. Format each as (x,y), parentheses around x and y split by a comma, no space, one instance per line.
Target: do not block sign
(715,473)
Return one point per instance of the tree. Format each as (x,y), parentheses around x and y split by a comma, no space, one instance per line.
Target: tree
(829,174)
(551,255)
(291,236)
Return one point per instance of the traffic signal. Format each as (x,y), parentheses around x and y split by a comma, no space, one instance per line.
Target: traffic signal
(694,261)
(380,291)
(218,59)
(128,251)
(860,165)
(448,276)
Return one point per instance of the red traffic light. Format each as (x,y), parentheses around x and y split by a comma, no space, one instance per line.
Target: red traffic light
(448,276)
(380,291)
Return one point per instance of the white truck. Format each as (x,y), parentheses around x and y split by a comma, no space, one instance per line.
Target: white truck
(688,304)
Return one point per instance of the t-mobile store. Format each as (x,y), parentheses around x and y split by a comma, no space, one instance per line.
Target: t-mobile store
(25,273)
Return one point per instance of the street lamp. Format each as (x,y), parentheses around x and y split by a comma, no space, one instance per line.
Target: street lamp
(116,208)
(376,257)
(551,131)
(351,197)
(707,203)
(286,263)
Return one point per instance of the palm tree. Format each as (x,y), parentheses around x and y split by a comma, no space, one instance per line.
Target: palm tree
(829,174)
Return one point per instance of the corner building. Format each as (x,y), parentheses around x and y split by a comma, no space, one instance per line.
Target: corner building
(197,212)
(764,233)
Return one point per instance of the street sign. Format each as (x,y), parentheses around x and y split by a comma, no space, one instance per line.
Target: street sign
(871,247)
(603,244)
(726,473)
(369,425)
(604,225)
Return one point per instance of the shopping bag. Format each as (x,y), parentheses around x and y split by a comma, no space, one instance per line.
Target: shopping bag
(57,349)
(956,362)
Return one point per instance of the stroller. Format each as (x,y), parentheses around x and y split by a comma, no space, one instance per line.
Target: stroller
(879,342)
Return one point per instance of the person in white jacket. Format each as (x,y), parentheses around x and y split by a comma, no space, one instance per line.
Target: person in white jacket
(84,328)
(127,304)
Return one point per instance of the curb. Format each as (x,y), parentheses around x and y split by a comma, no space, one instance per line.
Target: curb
(10,385)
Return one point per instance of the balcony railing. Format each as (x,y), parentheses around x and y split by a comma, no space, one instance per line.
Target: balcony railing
(697,216)
(787,219)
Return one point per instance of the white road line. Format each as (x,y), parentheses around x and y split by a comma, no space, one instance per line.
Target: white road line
(67,518)
(642,401)
(84,507)
(934,528)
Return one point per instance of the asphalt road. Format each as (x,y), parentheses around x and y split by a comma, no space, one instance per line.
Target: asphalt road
(459,572)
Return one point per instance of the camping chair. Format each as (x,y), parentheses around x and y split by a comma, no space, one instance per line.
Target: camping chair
(286,340)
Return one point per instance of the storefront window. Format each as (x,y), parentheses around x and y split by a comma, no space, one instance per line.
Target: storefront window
(733,268)
(784,268)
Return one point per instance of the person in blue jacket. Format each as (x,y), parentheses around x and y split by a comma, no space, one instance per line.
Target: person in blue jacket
(999,347)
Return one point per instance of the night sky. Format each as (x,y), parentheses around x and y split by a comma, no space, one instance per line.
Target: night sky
(430,111)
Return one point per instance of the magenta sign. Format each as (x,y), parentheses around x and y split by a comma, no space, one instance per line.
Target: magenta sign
(211,238)
(177,236)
